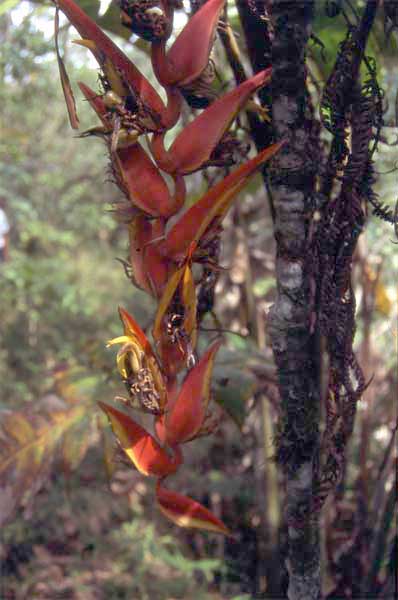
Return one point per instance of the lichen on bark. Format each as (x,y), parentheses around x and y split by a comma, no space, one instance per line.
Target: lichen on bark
(290,320)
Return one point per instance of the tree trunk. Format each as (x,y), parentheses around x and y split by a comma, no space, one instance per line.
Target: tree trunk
(291,319)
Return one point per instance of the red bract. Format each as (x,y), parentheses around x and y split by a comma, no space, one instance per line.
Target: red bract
(189,54)
(212,207)
(141,448)
(108,54)
(150,268)
(194,145)
(186,512)
(185,416)
(144,184)
(96,103)
(166,380)
(139,176)
(133,330)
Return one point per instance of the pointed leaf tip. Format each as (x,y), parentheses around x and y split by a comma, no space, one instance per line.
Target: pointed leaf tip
(132,329)
(140,446)
(186,512)
(212,207)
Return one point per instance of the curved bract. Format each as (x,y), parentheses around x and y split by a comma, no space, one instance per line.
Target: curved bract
(106,50)
(194,145)
(189,54)
(170,253)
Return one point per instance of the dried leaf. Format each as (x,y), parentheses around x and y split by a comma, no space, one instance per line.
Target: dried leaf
(31,442)
(66,86)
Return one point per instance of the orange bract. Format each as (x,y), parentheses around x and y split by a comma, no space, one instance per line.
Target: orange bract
(141,448)
(186,512)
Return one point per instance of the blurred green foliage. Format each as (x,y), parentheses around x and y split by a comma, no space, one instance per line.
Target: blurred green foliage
(55,288)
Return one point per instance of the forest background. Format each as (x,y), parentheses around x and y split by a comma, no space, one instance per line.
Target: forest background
(80,524)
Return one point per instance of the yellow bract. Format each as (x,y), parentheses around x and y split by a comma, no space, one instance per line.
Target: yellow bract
(136,357)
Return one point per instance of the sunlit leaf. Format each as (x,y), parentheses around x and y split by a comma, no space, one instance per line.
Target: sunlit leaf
(75,444)
(383,301)
(7,5)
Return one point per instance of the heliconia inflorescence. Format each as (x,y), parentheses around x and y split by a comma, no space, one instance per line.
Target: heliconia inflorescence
(161,257)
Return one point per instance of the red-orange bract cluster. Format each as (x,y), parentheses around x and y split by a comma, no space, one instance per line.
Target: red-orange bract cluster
(162,257)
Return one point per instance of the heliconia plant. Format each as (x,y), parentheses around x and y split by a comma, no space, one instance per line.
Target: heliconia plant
(166,379)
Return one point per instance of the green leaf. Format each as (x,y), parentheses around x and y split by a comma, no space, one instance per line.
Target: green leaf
(263,285)
(7,5)
(233,389)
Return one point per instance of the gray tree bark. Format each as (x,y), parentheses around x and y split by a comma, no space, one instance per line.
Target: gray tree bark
(291,319)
